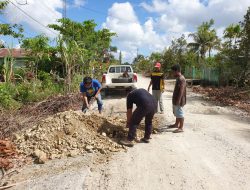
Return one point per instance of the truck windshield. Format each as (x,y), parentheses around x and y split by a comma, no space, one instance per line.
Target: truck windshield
(120,69)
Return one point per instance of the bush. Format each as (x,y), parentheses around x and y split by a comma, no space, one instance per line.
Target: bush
(7,92)
(49,83)
(77,79)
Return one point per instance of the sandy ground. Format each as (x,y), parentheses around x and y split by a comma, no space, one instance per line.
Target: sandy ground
(212,153)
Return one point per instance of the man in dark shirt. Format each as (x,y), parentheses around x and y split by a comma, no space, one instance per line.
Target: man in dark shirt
(146,107)
(179,98)
(157,82)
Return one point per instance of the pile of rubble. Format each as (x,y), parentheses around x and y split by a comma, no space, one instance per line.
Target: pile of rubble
(71,133)
(32,113)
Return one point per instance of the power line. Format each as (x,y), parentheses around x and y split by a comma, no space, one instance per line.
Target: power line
(22,3)
(32,17)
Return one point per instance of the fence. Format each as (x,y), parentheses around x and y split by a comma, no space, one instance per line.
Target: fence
(208,76)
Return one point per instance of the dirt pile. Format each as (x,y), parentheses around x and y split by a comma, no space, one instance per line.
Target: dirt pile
(227,96)
(71,133)
(32,113)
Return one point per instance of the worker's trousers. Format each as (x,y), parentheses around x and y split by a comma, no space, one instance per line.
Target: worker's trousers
(98,100)
(157,94)
(137,116)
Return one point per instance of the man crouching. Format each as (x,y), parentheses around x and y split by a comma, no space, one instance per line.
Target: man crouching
(90,90)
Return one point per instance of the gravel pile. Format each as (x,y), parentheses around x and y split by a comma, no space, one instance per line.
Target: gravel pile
(71,133)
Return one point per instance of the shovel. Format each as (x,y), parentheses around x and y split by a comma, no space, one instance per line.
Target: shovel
(92,100)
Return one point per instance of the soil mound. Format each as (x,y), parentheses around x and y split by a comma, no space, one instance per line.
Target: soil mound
(71,133)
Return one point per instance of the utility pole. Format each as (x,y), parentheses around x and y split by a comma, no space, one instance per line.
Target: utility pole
(64,8)
(137,50)
(120,57)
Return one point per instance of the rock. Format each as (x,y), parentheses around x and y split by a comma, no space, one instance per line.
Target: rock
(17,137)
(74,153)
(41,157)
(155,131)
(104,134)
(53,156)
(102,151)
(89,148)
(66,117)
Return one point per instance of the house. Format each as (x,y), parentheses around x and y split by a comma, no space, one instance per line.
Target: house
(19,54)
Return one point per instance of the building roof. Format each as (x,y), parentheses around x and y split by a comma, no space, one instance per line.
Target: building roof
(16,52)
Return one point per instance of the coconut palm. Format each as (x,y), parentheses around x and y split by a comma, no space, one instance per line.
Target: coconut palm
(204,40)
(232,33)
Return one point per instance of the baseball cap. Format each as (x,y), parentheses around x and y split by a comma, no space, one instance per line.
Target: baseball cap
(158,65)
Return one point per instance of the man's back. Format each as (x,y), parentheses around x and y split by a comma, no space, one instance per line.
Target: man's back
(140,97)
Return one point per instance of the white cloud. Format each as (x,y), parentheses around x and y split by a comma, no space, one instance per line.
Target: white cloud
(130,33)
(78,3)
(191,13)
(169,24)
(46,12)
(157,6)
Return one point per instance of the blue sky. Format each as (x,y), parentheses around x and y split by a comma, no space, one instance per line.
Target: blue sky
(147,25)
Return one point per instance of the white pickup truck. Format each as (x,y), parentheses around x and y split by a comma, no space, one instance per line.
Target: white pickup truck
(119,77)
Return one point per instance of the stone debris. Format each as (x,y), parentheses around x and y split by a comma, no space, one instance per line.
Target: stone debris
(72,133)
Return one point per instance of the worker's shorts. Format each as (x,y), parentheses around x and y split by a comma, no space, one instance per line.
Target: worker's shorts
(178,111)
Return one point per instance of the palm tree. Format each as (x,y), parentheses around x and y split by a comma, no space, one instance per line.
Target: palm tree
(214,42)
(205,39)
(232,33)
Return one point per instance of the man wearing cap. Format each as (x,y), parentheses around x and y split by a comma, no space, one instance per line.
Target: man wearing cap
(90,90)
(157,82)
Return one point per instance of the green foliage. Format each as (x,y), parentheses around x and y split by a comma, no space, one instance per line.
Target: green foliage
(204,40)
(3,5)
(37,90)
(77,79)
(7,92)
(8,68)
(80,45)
(38,50)
(87,38)
(15,30)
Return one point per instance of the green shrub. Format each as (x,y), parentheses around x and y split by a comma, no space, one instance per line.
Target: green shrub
(49,83)
(7,92)
(77,79)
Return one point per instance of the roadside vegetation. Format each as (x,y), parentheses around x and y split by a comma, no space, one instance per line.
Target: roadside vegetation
(203,55)
(80,49)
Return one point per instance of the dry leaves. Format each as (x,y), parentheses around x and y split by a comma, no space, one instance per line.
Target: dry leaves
(227,96)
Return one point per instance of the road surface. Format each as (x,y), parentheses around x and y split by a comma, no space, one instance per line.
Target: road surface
(213,152)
